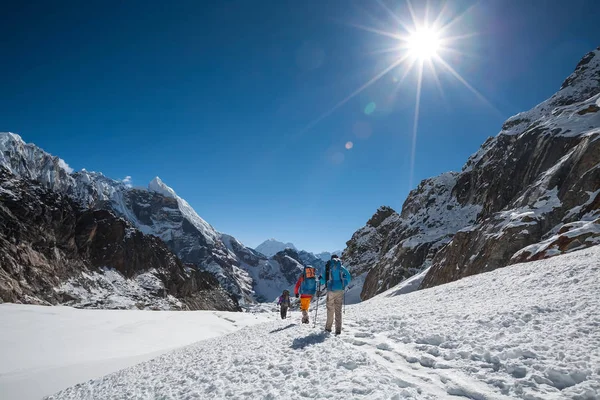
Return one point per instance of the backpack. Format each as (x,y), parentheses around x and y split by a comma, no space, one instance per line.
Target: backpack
(309,284)
(334,263)
(285,298)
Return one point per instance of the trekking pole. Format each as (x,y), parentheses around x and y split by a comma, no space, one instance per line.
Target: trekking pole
(344,283)
(317,308)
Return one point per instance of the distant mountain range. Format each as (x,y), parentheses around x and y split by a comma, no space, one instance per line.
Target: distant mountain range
(270,247)
(247,275)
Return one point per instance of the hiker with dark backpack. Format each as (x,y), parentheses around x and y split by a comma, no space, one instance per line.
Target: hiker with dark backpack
(305,288)
(284,303)
(336,279)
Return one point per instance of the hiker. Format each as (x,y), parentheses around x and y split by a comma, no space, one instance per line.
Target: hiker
(336,279)
(307,286)
(284,303)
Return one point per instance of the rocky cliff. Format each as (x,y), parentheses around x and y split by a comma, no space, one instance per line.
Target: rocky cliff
(156,210)
(528,193)
(53,251)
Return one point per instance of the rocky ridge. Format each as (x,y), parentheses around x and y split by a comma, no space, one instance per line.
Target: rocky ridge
(530,192)
(53,251)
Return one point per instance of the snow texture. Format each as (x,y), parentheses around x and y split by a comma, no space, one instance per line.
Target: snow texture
(109,289)
(529,331)
(587,231)
(46,349)
(408,285)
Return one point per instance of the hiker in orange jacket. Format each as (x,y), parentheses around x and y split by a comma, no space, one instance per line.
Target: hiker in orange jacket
(305,288)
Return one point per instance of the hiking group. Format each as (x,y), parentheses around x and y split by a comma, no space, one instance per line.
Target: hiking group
(335,279)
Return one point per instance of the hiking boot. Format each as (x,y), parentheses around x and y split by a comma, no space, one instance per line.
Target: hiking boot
(338,332)
(305,321)
(328,330)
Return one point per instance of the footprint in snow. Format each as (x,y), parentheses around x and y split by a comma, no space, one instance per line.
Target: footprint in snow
(384,346)
(350,364)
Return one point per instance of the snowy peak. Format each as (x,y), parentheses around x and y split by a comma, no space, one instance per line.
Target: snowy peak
(570,104)
(6,137)
(272,246)
(586,74)
(29,161)
(158,186)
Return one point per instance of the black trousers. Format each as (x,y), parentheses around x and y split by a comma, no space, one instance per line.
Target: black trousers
(283,310)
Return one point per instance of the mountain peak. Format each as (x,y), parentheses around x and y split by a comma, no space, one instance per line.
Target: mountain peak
(581,86)
(158,186)
(4,136)
(586,72)
(272,246)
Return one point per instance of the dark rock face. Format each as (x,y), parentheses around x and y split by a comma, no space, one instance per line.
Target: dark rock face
(365,248)
(539,189)
(49,244)
(393,247)
(290,264)
(530,192)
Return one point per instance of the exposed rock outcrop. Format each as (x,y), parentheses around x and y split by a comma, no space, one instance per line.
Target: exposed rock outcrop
(530,192)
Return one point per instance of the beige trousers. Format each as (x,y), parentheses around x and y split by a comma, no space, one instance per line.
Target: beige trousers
(334,306)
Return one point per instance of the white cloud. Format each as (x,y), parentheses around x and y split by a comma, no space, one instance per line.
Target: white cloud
(127,181)
(65,166)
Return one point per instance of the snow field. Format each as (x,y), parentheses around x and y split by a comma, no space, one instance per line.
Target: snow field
(46,349)
(529,331)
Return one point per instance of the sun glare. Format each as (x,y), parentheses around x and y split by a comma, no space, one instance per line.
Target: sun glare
(423,44)
(418,47)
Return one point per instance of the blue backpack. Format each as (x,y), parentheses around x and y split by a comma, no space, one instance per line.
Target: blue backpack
(309,283)
(333,275)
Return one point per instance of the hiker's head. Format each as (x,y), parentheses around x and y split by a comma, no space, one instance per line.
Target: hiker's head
(334,256)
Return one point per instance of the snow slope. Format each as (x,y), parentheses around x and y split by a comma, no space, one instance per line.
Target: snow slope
(45,349)
(528,331)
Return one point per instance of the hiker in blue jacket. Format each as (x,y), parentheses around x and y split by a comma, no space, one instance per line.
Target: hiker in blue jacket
(336,279)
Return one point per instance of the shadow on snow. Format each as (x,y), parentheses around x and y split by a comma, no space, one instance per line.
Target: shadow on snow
(281,329)
(313,338)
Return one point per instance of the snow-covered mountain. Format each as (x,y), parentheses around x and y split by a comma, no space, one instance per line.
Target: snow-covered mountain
(530,192)
(52,251)
(270,247)
(523,332)
(157,211)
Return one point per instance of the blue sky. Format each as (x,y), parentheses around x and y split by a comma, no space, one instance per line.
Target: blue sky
(220,99)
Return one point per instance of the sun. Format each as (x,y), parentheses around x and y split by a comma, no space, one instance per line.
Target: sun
(415,45)
(423,44)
